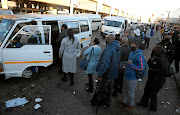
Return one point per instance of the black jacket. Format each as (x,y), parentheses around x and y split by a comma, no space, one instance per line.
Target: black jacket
(177,49)
(125,51)
(169,47)
(158,70)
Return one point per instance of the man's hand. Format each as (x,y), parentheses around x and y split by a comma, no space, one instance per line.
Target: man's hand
(99,79)
(60,58)
(129,62)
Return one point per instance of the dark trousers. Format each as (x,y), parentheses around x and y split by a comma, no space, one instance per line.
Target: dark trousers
(177,64)
(72,76)
(105,86)
(90,81)
(118,83)
(147,42)
(150,93)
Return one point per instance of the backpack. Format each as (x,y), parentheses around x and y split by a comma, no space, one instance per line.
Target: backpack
(152,32)
(141,74)
(123,64)
(100,97)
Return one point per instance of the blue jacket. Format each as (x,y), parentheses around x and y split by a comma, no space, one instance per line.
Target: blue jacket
(136,65)
(108,65)
(91,68)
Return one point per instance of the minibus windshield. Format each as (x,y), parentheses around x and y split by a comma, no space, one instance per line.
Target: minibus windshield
(112,23)
(5,26)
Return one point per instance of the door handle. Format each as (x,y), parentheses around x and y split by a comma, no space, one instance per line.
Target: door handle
(46,51)
(89,35)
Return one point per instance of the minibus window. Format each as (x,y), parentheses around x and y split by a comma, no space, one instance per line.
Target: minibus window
(84,26)
(73,25)
(30,35)
(112,23)
(5,25)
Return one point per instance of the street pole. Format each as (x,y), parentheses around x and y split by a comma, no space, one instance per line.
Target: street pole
(71,7)
(4,4)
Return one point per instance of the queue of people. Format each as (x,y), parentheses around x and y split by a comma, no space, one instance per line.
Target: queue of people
(119,64)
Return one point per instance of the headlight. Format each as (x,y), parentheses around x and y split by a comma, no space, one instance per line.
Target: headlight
(102,30)
(117,32)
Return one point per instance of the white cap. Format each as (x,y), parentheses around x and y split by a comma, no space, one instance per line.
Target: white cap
(137,32)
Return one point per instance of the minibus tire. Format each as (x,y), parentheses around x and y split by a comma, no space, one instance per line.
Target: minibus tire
(27,73)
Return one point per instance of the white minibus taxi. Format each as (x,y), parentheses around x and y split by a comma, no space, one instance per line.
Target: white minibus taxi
(94,19)
(28,41)
(114,25)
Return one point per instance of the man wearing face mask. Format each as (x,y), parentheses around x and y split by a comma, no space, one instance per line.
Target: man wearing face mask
(136,62)
(169,48)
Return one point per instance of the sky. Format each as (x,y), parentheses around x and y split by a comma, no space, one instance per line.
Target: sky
(145,8)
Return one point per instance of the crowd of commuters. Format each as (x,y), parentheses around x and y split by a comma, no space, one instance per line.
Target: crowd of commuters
(119,62)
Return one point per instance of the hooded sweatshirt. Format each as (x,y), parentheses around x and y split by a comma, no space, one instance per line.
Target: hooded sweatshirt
(136,65)
(108,64)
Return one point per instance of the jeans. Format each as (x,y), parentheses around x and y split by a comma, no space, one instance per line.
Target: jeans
(147,42)
(129,91)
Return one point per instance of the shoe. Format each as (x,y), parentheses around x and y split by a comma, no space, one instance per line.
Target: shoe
(64,79)
(108,105)
(60,71)
(114,94)
(128,108)
(87,84)
(71,83)
(120,91)
(139,104)
(121,103)
(89,90)
(153,110)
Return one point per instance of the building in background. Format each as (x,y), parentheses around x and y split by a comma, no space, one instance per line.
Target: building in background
(66,6)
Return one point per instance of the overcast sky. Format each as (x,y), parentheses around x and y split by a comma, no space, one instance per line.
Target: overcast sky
(146,8)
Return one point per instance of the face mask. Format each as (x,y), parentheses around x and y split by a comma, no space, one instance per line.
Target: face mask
(167,40)
(133,48)
(106,42)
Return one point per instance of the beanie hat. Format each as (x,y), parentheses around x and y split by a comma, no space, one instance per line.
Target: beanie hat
(136,40)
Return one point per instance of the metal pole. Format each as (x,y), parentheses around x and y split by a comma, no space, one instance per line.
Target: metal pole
(4,4)
(71,7)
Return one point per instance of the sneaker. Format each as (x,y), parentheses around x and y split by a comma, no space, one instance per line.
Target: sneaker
(64,79)
(71,83)
(89,90)
(87,84)
(139,104)
(60,71)
(114,94)
(121,103)
(128,108)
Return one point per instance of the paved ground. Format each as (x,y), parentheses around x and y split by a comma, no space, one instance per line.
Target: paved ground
(59,99)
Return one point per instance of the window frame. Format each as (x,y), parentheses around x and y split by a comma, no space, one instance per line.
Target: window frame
(59,24)
(7,44)
(87,25)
